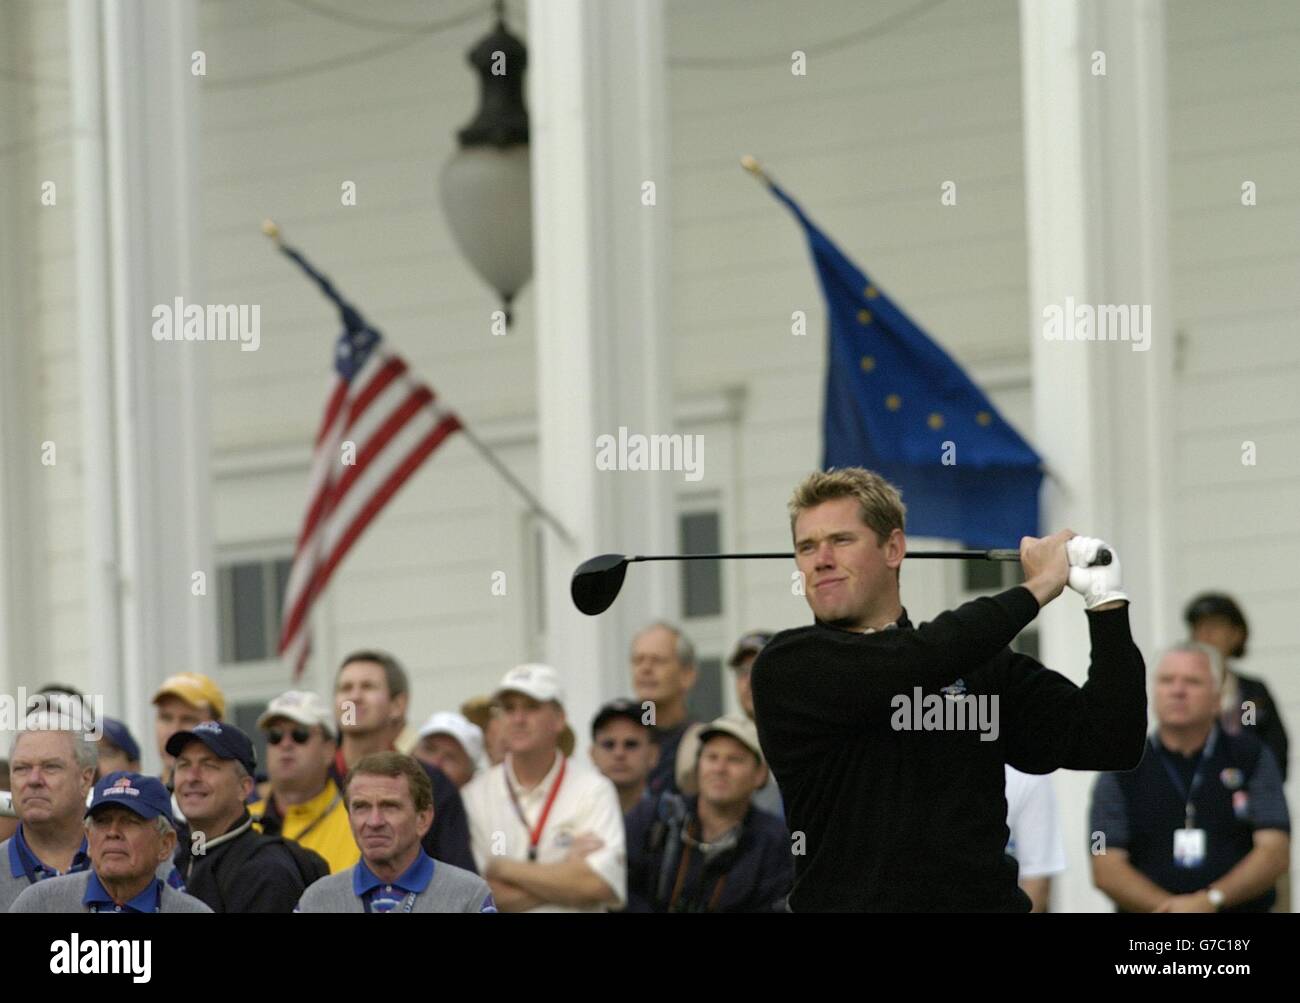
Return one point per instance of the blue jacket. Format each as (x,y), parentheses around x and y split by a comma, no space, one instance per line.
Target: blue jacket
(666,873)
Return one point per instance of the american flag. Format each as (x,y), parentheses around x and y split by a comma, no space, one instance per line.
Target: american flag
(393,423)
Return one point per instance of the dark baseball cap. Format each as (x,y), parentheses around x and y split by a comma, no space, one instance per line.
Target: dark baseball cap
(1214,604)
(1210,604)
(146,796)
(627,709)
(224,739)
(118,734)
(751,644)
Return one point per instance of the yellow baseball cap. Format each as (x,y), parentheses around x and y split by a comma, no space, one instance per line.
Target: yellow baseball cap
(195,689)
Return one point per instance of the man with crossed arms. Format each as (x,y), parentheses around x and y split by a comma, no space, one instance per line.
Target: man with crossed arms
(546,830)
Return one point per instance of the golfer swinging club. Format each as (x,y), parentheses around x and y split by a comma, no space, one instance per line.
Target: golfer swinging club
(902,811)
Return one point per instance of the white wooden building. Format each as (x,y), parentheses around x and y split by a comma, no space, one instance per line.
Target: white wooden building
(1122,187)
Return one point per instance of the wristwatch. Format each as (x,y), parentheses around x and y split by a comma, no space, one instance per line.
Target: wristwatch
(1216,898)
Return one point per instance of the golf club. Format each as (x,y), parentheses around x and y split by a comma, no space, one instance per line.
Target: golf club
(596,582)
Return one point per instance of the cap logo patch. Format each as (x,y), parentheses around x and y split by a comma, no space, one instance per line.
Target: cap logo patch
(122,785)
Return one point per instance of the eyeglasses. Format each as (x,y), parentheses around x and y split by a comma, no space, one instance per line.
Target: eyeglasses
(629,744)
(300,736)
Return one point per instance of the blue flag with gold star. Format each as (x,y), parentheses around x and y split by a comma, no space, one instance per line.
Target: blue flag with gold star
(897,403)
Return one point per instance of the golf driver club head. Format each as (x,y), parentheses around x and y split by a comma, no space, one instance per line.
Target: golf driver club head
(596,583)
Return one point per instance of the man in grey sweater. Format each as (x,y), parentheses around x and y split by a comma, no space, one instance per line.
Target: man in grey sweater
(130,832)
(53,770)
(390,806)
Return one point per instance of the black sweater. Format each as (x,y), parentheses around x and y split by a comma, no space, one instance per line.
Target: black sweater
(912,821)
(262,878)
(1268,727)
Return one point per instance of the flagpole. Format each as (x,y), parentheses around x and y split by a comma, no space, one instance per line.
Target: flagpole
(750,163)
(272,230)
(533,504)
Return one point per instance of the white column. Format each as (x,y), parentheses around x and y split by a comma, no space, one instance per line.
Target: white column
(95,357)
(598,135)
(1095,177)
(24,648)
(160,389)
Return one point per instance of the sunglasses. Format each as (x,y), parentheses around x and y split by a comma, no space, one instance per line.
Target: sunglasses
(300,736)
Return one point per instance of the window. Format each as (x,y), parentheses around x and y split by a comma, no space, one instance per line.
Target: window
(983,576)
(705,702)
(250,595)
(699,531)
(991,577)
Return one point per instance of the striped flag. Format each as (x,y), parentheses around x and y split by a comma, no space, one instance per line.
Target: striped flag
(380,424)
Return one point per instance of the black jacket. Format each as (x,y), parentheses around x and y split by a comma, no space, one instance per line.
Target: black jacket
(264,880)
(914,820)
(448,838)
(1267,725)
(664,775)
(753,876)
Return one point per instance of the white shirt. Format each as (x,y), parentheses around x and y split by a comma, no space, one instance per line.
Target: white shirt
(1035,829)
(586,803)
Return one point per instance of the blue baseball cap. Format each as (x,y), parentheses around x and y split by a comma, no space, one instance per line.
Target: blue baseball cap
(225,740)
(146,796)
(119,735)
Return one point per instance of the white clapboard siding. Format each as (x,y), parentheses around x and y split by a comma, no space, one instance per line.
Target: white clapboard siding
(863,141)
(1234,88)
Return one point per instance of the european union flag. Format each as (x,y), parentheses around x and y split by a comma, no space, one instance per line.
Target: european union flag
(896,403)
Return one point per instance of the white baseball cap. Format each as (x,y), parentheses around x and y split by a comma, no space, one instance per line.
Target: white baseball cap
(737,726)
(303,707)
(534,680)
(462,729)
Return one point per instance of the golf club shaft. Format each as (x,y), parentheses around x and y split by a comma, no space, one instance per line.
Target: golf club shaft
(966,555)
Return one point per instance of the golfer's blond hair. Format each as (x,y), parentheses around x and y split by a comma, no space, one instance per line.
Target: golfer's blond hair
(880,504)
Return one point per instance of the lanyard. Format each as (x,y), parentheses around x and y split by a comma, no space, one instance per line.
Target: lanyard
(535,833)
(1207,750)
(716,897)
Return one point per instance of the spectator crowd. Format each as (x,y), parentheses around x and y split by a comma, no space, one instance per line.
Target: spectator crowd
(489,809)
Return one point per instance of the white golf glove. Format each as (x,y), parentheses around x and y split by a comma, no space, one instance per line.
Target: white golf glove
(1098,585)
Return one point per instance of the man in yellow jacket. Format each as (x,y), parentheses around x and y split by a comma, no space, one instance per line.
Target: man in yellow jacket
(305,803)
